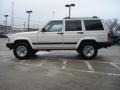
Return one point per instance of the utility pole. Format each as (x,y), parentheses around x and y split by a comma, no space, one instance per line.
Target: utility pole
(24,26)
(29,12)
(4,23)
(69,6)
(12,19)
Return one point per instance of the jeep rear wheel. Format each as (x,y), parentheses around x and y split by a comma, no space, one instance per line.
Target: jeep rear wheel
(22,51)
(88,50)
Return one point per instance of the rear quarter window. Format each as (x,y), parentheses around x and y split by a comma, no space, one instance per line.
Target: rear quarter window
(93,25)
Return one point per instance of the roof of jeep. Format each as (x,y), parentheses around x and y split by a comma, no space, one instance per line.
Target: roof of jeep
(79,18)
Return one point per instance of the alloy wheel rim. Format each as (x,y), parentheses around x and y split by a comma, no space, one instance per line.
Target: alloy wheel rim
(21,51)
(88,51)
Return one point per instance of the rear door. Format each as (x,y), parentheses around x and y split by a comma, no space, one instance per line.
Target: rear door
(72,34)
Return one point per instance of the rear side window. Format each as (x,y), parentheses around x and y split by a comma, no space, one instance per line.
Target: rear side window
(73,25)
(93,25)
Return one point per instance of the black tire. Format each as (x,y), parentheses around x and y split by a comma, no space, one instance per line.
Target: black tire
(78,51)
(26,46)
(34,52)
(84,46)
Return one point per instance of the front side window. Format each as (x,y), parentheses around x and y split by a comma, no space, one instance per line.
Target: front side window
(54,26)
(73,25)
(93,25)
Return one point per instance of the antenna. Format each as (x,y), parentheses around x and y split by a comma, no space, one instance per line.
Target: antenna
(53,14)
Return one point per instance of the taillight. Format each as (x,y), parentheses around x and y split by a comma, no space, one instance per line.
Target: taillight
(109,37)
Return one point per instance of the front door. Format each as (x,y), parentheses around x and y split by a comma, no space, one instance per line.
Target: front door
(51,37)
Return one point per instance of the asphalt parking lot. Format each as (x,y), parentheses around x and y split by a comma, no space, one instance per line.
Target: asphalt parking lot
(60,70)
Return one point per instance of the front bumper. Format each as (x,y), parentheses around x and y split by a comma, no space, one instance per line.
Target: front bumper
(9,45)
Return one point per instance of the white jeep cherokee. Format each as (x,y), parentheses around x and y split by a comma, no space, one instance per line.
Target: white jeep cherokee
(85,35)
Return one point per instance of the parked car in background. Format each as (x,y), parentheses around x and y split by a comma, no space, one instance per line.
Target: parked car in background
(3,34)
(116,39)
(0,33)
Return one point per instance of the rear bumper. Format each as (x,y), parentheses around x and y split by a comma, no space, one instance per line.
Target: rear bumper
(9,45)
(104,44)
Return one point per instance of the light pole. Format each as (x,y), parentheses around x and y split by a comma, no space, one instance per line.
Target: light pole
(6,18)
(29,12)
(70,5)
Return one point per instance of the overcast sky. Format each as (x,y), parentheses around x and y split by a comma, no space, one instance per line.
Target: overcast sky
(43,9)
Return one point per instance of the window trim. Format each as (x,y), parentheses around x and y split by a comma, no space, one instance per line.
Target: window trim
(52,25)
(94,29)
(74,30)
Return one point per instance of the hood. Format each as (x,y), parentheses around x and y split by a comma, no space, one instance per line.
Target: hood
(22,34)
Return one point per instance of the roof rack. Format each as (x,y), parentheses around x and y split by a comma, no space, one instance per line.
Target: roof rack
(66,18)
(95,17)
(80,17)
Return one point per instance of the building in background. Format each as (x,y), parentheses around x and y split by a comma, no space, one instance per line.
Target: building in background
(9,28)
(3,27)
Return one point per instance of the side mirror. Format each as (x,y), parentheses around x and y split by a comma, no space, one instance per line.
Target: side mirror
(43,30)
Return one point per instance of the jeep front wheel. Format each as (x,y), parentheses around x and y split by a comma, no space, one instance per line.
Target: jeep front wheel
(88,50)
(22,50)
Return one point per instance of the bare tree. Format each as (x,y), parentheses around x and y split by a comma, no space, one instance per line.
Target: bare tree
(113,25)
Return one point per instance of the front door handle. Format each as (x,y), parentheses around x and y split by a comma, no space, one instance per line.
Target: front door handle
(60,33)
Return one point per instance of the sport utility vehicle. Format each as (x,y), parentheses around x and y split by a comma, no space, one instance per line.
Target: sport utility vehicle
(85,35)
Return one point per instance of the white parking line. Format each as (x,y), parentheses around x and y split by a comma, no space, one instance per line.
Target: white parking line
(85,71)
(89,66)
(116,66)
(105,62)
(22,62)
(64,64)
(42,63)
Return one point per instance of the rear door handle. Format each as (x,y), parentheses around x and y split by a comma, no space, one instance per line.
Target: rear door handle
(60,33)
(79,32)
